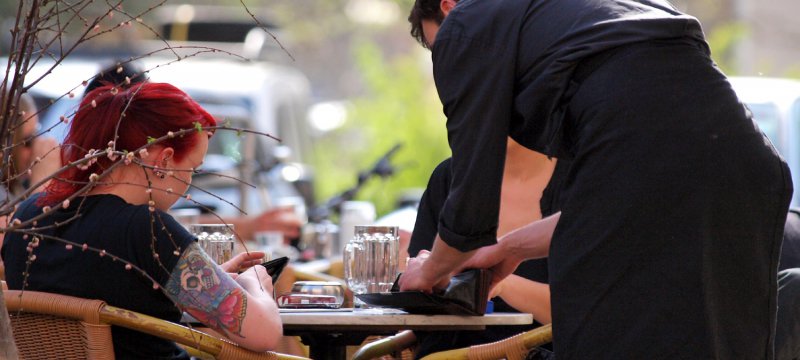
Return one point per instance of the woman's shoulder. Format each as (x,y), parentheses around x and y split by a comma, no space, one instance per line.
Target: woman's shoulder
(138,221)
(158,221)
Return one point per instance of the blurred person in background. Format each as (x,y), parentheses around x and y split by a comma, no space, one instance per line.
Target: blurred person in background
(283,219)
(530,191)
(35,156)
(787,338)
(87,245)
(671,179)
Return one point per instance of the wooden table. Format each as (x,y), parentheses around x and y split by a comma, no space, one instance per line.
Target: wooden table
(327,333)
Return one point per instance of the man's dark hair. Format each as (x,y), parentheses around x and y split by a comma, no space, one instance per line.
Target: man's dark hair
(424,10)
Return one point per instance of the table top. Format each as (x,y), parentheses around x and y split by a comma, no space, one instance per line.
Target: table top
(383,320)
(390,319)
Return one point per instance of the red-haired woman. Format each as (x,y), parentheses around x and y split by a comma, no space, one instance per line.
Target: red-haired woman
(123,215)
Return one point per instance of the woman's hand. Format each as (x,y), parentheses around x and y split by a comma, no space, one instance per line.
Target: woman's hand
(243,261)
(255,280)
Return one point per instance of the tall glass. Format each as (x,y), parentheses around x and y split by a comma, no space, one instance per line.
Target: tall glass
(354,275)
(217,240)
(371,260)
(382,257)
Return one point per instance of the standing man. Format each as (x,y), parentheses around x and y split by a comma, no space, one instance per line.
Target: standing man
(668,240)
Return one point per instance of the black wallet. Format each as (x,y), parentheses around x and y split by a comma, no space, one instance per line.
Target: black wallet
(467,294)
(275,267)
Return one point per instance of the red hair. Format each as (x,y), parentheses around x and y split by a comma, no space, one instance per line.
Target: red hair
(153,110)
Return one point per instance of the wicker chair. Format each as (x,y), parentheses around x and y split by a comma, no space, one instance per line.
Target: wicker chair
(391,347)
(52,326)
(512,348)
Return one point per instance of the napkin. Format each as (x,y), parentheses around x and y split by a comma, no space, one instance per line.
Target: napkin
(467,294)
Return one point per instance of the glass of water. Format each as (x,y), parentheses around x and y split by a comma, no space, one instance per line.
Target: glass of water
(381,248)
(371,260)
(353,259)
(216,240)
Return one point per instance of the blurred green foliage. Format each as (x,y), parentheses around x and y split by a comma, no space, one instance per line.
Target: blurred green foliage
(400,106)
(723,41)
(793,72)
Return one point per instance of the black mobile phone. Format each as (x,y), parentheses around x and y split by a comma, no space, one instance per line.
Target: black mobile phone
(275,267)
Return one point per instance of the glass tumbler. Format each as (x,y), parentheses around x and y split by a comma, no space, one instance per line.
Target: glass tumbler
(216,240)
(371,260)
(354,274)
(381,256)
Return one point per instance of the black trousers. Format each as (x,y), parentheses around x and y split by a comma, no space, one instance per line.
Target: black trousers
(673,213)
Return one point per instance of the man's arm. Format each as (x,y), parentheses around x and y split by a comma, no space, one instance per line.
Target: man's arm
(477,91)
(531,241)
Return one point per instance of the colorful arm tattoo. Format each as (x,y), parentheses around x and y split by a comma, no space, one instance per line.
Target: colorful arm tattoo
(198,286)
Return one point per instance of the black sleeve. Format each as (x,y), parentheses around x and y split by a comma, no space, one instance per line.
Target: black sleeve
(157,233)
(425,228)
(475,81)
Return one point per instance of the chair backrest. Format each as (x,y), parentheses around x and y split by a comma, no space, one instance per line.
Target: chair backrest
(45,312)
(51,326)
(399,346)
(512,348)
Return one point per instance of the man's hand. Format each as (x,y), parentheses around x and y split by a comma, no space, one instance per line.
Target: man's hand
(416,278)
(243,261)
(432,270)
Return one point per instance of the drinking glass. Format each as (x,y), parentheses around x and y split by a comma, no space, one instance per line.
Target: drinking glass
(381,252)
(354,275)
(371,260)
(216,240)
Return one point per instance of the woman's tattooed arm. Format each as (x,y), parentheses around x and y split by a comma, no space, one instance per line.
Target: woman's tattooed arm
(201,288)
